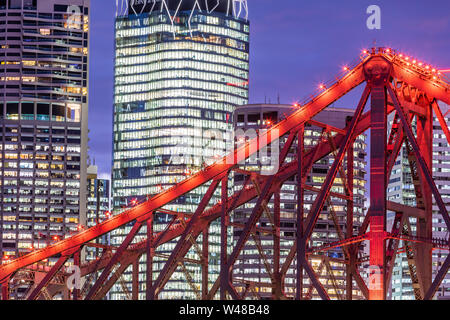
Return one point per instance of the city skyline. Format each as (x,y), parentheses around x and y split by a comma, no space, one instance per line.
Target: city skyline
(233,159)
(308,34)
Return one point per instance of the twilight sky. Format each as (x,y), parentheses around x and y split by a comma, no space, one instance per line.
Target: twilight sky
(294,46)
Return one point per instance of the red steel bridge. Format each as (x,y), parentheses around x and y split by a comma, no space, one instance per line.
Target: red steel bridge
(397,86)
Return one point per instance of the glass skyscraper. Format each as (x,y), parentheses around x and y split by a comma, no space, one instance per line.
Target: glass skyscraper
(181,67)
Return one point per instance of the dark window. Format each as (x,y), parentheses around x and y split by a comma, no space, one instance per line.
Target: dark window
(58,131)
(77,141)
(58,140)
(27,130)
(43,108)
(58,110)
(27,108)
(253,118)
(12,108)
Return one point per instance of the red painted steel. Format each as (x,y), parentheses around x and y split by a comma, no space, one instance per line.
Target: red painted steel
(392,84)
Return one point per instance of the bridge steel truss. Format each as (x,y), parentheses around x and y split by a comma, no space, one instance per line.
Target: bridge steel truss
(393,87)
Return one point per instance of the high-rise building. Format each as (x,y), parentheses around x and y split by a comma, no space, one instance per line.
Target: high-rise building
(250,267)
(43,121)
(181,67)
(401,189)
(98,207)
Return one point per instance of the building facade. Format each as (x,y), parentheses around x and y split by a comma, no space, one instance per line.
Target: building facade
(98,207)
(250,266)
(180,69)
(43,119)
(401,189)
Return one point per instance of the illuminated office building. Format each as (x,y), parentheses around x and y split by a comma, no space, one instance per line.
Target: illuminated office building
(180,70)
(43,121)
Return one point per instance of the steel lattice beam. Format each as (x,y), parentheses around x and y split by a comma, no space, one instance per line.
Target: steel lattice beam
(392,86)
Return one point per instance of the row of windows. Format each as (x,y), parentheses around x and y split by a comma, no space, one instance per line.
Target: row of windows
(172,112)
(180,93)
(182,55)
(42,183)
(181,73)
(171,132)
(147,19)
(223,32)
(172,140)
(162,84)
(163,104)
(177,31)
(182,66)
(30,156)
(181,45)
(171,122)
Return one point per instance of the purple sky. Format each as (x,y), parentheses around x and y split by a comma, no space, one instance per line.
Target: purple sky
(294,44)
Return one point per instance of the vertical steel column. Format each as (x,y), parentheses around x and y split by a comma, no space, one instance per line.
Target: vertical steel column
(425,225)
(76,262)
(300,250)
(224,270)
(205,262)
(5,289)
(149,293)
(378,124)
(277,290)
(349,227)
(135,280)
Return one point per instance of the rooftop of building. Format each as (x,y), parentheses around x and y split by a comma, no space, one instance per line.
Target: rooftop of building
(286,106)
